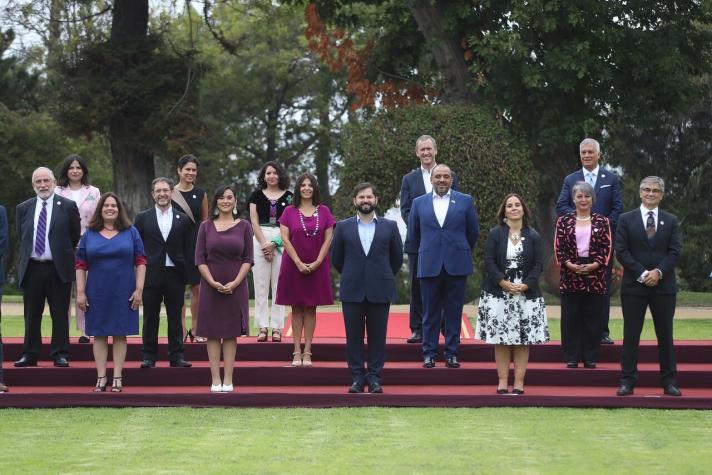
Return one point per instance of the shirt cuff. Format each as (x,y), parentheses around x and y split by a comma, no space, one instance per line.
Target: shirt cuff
(643,276)
(659,272)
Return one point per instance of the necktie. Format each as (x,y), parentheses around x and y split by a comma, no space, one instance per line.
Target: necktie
(41,230)
(589,176)
(650,225)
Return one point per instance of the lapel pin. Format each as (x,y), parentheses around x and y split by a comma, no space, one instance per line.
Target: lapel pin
(177,216)
(603,175)
(194,197)
(662,222)
(59,203)
(452,201)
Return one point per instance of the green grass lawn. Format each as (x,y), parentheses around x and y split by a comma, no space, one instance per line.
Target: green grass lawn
(371,440)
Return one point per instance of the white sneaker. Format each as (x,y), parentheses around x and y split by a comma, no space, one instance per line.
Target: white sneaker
(216,388)
(227,388)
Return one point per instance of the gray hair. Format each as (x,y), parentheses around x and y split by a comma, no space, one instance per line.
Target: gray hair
(423,138)
(589,141)
(584,188)
(51,174)
(653,179)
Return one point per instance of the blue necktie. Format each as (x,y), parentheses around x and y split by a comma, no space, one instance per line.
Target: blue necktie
(650,226)
(41,230)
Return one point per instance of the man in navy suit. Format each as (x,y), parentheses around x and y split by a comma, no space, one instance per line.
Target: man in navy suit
(165,234)
(48,229)
(444,227)
(417,183)
(609,203)
(4,240)
(367,252)
(648,246)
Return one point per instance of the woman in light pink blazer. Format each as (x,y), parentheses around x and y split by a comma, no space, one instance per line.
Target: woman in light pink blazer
(73,183)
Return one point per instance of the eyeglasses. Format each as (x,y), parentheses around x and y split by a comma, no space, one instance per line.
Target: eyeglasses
(651,190)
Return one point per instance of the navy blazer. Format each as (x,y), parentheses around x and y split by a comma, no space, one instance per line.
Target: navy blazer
(367,277)
(449,247)
(412,187)
(4,242)
(496,260)
(609,200)
(63,235)
(637,254)
(177,246)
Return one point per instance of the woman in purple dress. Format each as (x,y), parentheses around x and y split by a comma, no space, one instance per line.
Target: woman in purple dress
(223,254)
(306,227)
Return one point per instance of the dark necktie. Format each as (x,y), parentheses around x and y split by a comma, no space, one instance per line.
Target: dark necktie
(650,225)
(41,230)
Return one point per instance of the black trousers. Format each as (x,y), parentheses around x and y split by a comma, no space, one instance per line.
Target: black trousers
(42,283)
(581,326)
(443,299)
(662,308)
(170,292)
(606,310)
(373,319)
(1,354)
(416,301)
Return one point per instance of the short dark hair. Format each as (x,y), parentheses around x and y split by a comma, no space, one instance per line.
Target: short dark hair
(186,159)
(501,213)
(97,221)
(162,179)
(316,197)
(283,178)
(362,186)
(63,180)
(212,215)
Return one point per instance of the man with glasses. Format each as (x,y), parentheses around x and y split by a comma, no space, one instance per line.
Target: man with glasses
(648,246)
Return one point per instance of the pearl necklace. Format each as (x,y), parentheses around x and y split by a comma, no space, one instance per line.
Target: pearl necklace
(304,227)
(583,219)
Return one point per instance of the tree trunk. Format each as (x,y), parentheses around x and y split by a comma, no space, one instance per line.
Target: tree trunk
(446,50)
(322,157)
(132,164)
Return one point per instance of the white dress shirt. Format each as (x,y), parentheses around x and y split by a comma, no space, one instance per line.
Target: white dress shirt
(426,178)
(47,256)
(165,222)
(440,206)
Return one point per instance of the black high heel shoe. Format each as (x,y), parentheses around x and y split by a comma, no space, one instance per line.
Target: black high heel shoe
(100,388)
(189,334)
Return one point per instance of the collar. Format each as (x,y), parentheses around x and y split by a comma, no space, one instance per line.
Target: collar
(447,195)
(594,171)
(645,211)
(49,200)
(160,212)
(423,170)
(360,221)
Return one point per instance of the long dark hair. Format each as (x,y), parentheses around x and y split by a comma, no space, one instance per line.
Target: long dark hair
(63,180)
(316,196)
(97,221)
(501,213)
(283,178)
(214,212)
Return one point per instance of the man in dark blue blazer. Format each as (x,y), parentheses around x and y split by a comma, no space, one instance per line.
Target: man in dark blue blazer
(417,183)
(4,240)
(367,252)
(48,229)
(444,226)
(609,203)
(648,246)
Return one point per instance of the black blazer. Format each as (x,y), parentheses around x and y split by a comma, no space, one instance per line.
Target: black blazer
(155,248)
(367,277)
(636,254)
(412,187)
(64,231)
(609,199)
(496,260)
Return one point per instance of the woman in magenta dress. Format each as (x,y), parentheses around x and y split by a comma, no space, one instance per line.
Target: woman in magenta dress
(223,254)
(306,228)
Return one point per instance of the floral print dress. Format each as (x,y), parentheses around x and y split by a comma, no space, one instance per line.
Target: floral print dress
(512,319)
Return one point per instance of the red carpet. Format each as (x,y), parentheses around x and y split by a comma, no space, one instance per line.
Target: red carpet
(331,324)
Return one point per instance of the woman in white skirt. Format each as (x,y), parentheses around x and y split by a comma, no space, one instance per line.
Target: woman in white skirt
(511,313)
(266,206)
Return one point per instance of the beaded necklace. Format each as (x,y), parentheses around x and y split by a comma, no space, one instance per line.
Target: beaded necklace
(304,226)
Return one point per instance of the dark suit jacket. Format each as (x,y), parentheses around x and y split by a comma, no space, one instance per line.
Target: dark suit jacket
(4,241)
(64,231)
(496,260)
(609,200)
(637,254)
(412,187)
(367,277)
(155,248)
(449,247)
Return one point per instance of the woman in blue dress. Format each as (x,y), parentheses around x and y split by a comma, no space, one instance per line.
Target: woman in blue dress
(110,266)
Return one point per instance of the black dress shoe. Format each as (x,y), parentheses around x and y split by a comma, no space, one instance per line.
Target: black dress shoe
(590,365)
(61,362)
(502,390)
(672,390)
(84,339)
(572,364)
(452,362)
(606,340)
(518,392)
(415,337)
(181,363)
(429,362)
(146,363)
(375,388)
(25,361)
(357,387)
(624,390)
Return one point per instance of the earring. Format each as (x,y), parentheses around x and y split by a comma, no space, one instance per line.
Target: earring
(234,211)
(216,212)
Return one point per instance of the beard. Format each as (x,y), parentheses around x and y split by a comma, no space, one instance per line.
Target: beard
(365,208)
